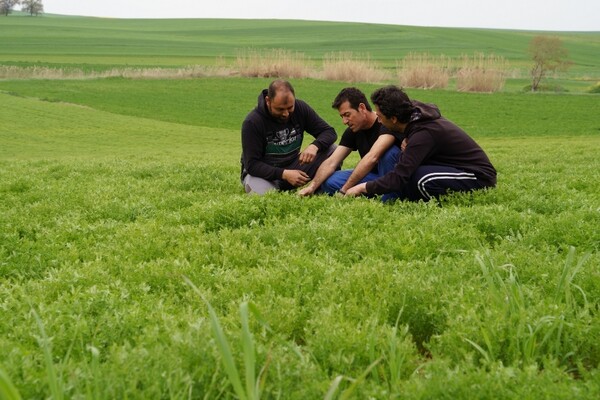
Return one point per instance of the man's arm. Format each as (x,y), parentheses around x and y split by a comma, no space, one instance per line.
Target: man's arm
(326,169)
(316,126)
(420,147)
(370,160)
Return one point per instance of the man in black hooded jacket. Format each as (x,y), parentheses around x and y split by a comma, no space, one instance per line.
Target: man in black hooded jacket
(272,137)
(439,157)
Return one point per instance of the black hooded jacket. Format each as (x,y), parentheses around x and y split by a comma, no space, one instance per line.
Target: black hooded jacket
(269,145)
(433,140)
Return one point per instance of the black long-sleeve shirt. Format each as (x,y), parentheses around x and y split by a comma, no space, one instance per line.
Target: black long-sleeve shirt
(269,145)
(433,140)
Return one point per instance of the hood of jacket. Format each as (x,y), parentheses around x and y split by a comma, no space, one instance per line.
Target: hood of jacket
(424,112)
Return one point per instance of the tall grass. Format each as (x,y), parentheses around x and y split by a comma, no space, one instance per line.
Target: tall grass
(37,72)
(8,391)
(424,71)
(347,67)
(512,335)
(271,63)
(253,384)
(481,73)
(55,379)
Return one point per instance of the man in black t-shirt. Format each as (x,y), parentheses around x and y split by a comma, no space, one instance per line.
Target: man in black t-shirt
(378,148)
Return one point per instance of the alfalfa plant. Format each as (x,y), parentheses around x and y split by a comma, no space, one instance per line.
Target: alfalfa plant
(253,384)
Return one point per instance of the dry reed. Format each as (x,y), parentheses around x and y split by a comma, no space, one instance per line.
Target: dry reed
(424,71)
(279,63)
(344,66)
(35,72)
(481,74)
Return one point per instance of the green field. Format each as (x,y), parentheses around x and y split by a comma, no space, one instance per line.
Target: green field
(129,253)
(101,43)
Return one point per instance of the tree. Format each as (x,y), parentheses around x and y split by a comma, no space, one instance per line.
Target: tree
(6,6)
(33,7)
(548,55)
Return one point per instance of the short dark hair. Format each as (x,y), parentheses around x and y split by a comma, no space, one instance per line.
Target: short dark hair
(353,96)
(279,85)
(393,102)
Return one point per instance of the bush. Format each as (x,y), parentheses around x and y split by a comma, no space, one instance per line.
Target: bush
(595,88)
(546,88)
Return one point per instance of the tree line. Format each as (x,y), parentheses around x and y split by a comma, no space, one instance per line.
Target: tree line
(32,7)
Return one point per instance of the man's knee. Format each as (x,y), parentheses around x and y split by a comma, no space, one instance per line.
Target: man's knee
(254,185)
(389,160)
(335,182)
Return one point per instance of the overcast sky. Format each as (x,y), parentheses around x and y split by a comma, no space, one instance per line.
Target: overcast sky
(554,15)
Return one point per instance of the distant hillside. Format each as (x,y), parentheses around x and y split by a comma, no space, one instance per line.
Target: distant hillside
(93,42)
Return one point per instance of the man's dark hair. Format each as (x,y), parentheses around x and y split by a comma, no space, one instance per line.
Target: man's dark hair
(353,96)
(279,85)
(393,102)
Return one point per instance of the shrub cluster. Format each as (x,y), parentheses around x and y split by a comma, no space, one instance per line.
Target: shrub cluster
(474,74)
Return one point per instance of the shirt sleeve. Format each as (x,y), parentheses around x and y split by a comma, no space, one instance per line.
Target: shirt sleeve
(420,146)
(316,126)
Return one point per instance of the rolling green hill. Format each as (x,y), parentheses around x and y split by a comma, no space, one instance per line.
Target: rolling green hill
(105,43)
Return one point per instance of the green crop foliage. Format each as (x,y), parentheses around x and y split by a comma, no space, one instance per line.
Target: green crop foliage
(117,194)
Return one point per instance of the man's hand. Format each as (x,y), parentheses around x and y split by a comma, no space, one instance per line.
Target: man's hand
(357,190)
(295,177)
(307,191)
(309,154)
(403,144)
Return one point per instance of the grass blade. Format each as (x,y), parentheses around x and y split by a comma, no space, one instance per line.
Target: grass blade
(249,353)
(44,342)
(346,394)
(8,391)
(222,345)
(333,387)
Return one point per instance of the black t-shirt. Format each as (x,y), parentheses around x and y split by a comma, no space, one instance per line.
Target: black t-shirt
(363,140)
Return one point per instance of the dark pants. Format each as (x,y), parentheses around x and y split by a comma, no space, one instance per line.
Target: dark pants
(432,181)
(260,186)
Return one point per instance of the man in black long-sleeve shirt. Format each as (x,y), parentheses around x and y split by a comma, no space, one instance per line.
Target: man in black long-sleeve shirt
(439,157)
(272,139)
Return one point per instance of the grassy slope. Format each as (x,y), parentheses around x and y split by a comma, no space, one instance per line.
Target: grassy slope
(108,42)
(61,130)
(211,102)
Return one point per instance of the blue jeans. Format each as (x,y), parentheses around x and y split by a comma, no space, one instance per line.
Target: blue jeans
(386,164)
